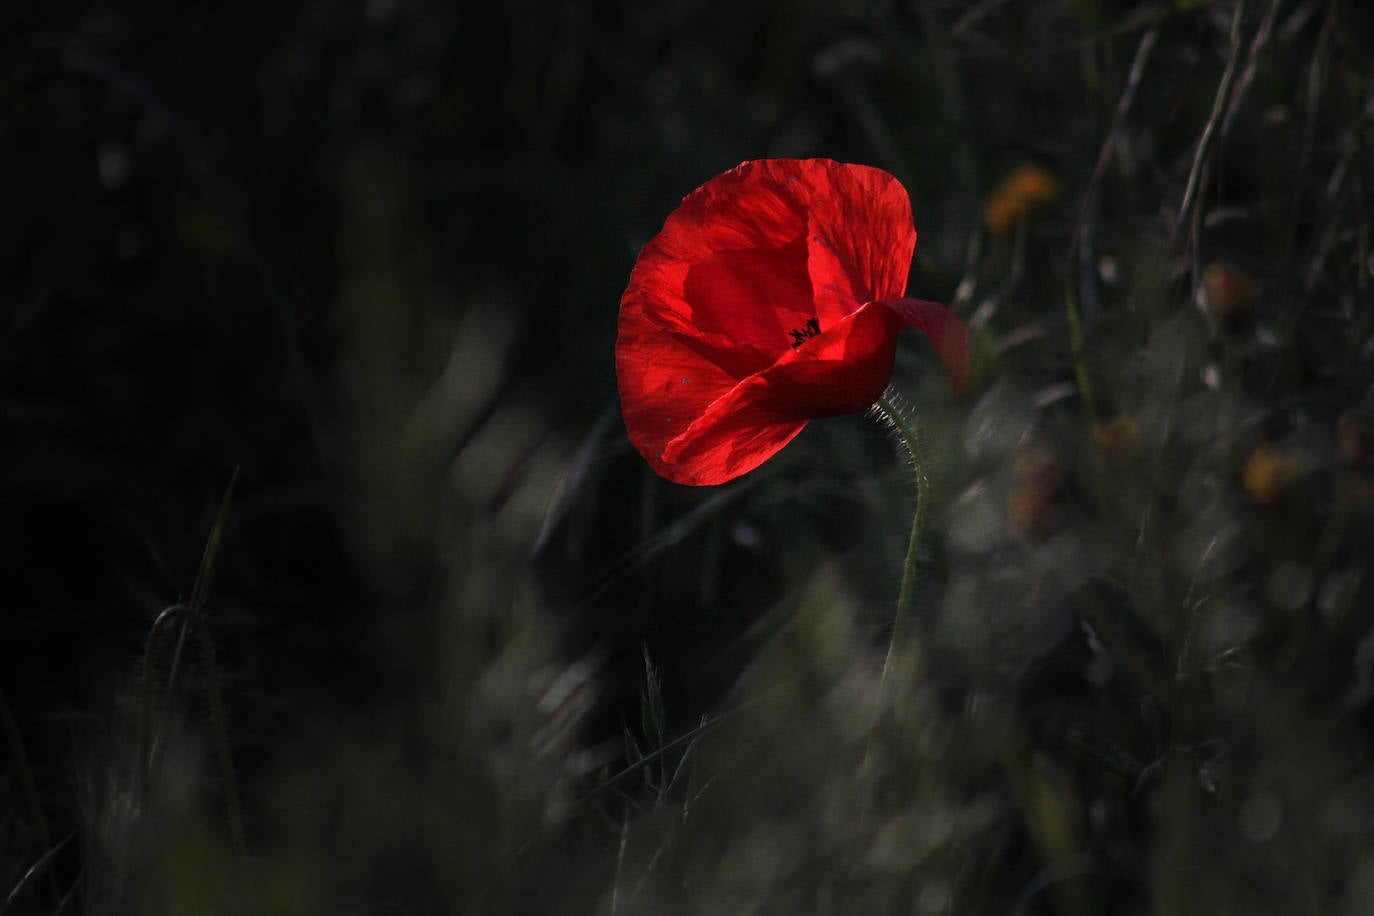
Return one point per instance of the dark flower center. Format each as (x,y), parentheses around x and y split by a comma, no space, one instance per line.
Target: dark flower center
(805,332)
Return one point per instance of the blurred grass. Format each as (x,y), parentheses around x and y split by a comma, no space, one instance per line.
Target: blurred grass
(475,657)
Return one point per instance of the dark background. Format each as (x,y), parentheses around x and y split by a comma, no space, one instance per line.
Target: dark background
(368,258)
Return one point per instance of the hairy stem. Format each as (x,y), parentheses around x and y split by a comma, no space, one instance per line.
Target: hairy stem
(907,431)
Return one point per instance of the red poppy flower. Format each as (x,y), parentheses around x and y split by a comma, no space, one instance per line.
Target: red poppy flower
(773,296)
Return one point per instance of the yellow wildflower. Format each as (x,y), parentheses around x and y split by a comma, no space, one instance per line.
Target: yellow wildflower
(1025,189)
(1267,474)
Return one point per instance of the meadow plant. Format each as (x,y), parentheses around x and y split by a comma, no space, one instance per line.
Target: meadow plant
(1099,640)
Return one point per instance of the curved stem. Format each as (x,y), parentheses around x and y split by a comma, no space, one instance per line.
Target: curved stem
(907,430)
(147,739)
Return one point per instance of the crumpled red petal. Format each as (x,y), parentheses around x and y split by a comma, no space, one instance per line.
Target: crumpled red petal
(771,296)
(736,434)
(842,371)
(860,239)
(946,332)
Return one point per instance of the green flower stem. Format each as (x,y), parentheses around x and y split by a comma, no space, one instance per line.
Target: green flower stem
(907,431)
(1078,345)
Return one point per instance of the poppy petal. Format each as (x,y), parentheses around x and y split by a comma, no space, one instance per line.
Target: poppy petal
(946,332)
(730,261)
(736,434)
(841,371)
(860,239)
(772,296)
(666,381)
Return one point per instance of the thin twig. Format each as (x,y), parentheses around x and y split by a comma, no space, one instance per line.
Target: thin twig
(143,728)
(44,863)
(1123,107)
(1193,189)
(28,784)
(1261,40)
(1316,82)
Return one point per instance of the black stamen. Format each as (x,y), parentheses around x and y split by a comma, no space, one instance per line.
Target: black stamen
(805,332)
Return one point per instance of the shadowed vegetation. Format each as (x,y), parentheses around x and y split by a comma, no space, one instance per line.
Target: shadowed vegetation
(448,645)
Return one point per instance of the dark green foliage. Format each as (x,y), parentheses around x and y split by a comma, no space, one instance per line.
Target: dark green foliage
(470,655)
